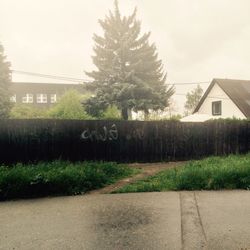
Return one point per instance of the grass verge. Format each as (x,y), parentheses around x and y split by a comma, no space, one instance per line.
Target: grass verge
(213,173)
(58,178)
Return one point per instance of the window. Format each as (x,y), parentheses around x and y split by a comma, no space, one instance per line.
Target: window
(13,98)
(41,98)
(216,108)
(53,98)
(28,98)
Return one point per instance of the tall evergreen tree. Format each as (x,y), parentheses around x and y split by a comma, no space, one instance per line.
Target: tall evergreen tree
(129,73)
(5,80)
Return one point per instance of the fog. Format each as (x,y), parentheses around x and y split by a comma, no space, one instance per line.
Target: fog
(196,40)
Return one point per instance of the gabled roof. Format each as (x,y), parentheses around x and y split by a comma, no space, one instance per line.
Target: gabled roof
(237,90)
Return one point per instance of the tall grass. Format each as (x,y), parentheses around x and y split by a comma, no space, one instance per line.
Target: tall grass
(213,173)
(57,178)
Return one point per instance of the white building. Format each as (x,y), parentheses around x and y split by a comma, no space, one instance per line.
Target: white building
(224,98)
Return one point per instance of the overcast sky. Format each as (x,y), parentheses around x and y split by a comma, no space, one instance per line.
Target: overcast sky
(197,40)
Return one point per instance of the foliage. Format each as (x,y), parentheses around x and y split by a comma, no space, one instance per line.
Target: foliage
(161,116)
(169,113)
(27,111)
(57,178)
(192,99)
(69,107)
(111,113)
(129,73)
(176,117)
(5,80)
(213,173)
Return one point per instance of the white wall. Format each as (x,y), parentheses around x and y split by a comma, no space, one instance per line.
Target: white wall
(228,108)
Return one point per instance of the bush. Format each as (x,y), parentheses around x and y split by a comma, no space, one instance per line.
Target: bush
(111,113)
(69,107)
(57,178)
(27,111)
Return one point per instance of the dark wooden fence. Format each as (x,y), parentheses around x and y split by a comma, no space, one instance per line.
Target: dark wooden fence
(122,141)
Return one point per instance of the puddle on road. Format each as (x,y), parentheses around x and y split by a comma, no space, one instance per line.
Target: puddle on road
(128,218)
(123,227)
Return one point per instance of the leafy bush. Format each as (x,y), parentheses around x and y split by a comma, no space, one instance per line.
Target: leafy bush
(57,178)
(213,173)
(69,107)
(111,113)
(27,111)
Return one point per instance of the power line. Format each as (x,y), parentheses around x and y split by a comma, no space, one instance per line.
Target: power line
(72,79)
(211,97)
(188,83)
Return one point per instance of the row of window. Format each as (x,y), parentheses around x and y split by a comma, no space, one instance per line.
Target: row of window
(40,98)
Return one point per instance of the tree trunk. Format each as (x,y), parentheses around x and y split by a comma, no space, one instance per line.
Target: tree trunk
(125,114)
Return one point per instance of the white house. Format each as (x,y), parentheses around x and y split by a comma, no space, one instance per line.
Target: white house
(224,98)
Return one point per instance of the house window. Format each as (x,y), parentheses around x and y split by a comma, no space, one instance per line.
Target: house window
(41,98)
(216,108)
(13,98)
(53,98)
(28,98)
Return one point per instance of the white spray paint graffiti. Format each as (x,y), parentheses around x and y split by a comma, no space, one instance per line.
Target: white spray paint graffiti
(104,134)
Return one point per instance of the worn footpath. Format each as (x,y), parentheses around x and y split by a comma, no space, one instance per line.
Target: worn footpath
(146,170)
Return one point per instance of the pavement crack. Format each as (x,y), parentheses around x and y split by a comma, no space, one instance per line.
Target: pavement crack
(198,211)
(193,235)
(182,240)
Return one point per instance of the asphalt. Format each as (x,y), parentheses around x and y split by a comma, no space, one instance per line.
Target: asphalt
(166,220)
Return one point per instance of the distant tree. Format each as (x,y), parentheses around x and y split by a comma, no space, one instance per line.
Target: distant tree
(5,80)
(192,99)
(129,73)
(69,107)
(27,111)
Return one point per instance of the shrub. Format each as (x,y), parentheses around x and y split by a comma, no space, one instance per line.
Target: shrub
(27,111)
(69,107)
(111,113)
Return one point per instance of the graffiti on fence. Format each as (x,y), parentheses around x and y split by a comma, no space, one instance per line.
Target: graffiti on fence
(104,134)
(137,133)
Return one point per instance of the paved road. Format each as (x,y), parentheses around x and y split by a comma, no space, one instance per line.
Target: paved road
(167,220)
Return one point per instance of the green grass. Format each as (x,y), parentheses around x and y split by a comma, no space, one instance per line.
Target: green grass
(213,173)
(58,178)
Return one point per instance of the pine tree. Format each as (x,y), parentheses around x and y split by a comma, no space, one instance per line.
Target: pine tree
(5,80)
(129,73)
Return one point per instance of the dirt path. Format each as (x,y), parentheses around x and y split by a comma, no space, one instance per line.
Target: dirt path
(147,169)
